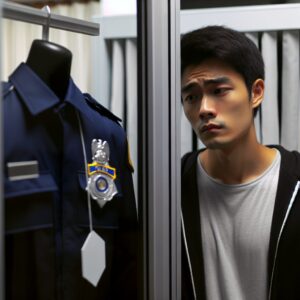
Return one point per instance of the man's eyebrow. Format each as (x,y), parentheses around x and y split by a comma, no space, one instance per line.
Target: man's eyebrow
(188,87)
(217,80)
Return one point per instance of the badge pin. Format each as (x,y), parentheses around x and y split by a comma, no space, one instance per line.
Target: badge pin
(101,183)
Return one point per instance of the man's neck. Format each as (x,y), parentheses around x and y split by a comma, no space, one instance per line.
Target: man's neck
(240,164)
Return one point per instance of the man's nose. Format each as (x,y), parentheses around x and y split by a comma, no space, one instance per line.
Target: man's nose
(207,108)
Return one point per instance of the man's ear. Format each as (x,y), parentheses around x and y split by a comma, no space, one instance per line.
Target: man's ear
(257,92)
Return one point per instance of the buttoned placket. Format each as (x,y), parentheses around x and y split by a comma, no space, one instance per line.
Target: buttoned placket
(70,165)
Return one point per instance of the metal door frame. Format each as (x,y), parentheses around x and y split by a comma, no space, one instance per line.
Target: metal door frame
(159,151)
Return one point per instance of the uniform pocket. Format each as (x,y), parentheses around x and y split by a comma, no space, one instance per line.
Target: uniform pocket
(29,203)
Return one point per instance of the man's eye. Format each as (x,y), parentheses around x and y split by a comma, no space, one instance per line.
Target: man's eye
(191,98)
(220,91)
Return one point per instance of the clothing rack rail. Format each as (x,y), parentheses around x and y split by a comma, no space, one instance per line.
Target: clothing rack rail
(31,15)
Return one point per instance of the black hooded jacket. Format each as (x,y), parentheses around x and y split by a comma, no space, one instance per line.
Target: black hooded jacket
(284,245)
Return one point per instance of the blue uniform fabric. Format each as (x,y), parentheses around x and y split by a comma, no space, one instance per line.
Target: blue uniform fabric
(46,218)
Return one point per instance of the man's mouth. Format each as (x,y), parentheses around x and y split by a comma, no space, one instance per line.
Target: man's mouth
(210,127)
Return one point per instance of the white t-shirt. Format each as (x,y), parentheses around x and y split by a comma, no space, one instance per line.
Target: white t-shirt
(235,227)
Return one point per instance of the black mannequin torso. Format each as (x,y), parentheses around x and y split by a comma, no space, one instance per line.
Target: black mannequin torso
(52,63)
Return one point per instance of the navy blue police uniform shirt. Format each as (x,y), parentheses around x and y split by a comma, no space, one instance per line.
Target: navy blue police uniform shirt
(46,218)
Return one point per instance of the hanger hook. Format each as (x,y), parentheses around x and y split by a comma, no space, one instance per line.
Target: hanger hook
(47,25)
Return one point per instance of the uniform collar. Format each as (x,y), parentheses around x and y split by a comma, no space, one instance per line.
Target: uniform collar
(38,97)
(75,97)
(35,93)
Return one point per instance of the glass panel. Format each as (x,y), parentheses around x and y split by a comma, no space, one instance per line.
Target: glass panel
(216,215)
(70,163)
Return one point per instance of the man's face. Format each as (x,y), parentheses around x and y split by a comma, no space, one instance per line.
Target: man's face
(216,102)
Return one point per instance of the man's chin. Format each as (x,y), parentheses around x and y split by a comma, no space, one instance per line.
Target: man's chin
(214,144)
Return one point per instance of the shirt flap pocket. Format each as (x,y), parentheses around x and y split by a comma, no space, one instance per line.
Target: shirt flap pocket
(29,203)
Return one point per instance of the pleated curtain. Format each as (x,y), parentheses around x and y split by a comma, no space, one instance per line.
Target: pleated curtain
(17,38)
(118,95)
(290,90)
(269,106)
(131,108)
(257,120)
(123,102)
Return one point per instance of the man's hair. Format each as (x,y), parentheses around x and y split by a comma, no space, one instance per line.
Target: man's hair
(227,45)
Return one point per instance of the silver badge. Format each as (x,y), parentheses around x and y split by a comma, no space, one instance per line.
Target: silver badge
(101,183)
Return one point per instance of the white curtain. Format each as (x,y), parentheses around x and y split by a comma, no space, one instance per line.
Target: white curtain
(269,106)
(117,103)
(257,120)
(123,102)
(18,36)
(132,111)
(290,90)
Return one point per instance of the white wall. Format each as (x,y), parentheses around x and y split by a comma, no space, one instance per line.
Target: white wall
(118,7)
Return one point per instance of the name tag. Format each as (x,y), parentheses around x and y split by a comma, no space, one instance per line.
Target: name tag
(23,170)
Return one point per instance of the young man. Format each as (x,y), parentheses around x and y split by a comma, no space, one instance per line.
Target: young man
(240,199)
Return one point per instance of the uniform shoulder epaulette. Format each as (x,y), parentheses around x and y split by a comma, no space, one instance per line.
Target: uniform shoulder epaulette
(6,88)
(100,108)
